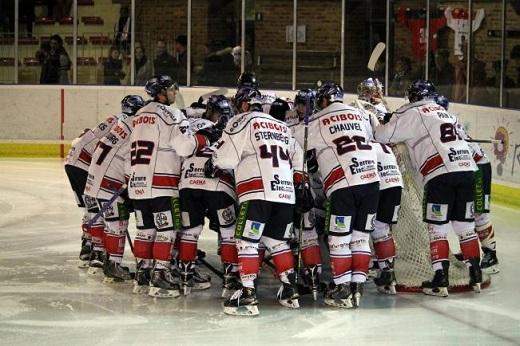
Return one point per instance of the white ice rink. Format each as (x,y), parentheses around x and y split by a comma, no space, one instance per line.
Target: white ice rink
(46,299)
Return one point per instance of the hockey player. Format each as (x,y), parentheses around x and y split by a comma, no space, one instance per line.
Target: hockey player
(348,164)
(106,175)
(446,165)
(370,94)
(264,155)
(310,247)
(483,225)
(160,135)
(77,163)
(214,197)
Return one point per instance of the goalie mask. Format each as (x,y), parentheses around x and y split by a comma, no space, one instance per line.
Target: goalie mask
(370,89)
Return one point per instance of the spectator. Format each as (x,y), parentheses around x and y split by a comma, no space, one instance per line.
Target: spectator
(442,74)
(181,52)
(113,68)
(42,55)
(143,67)
(402,77)
(122,34)
(55,62)
(164,63)
(495,81)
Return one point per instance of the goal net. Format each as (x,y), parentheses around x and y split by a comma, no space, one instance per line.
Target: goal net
(412,263)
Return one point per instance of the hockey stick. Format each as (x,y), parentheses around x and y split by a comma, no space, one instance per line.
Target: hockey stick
(106,206)
(200,258)
(493,141)
(372,61)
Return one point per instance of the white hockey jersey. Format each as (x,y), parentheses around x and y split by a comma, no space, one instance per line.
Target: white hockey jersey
(160,136)
(192,170)
(345,156)
(80,153)
(478,153)
(371,114)
(106,173)
(431,137)
(389,173)
(264,155)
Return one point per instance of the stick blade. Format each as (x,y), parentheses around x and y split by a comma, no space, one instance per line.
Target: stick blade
(376,54)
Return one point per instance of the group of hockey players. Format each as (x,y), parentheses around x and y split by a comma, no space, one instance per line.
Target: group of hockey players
(278,176)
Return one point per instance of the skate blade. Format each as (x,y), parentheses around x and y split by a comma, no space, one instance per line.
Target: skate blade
(158,292)
(491,270)
(199,286)
(250,310)
(436,292)
(111,280)
(94,270)
(140,289)
(387,289)
(186,290)
(83,264)
(290,303)
(476,287)
(339,303)
(315,294)
(356,300)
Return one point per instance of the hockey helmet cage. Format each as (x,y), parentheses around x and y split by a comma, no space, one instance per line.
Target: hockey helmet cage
(420,89)
(159,83)
(130,104)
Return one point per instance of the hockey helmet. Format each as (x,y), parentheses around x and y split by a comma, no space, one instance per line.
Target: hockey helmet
(159,83)
(303,95)
(247,79)
(442,101)
(329,91)
(131,104)
(278,109)
(420,89)
(249,95)
(219,104)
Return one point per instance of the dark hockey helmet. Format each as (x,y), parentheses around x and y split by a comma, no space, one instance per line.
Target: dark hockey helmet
(303,95)
(159,83)
(219,104)
(420,89)
(329,91)
(131,104)
(278,109)
(247,79)
(442,101)
(249,95)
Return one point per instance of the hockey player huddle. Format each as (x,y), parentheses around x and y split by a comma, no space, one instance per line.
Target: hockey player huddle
(280,176)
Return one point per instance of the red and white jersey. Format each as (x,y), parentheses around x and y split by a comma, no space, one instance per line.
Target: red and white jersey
(264,155)
(160,136)
(192,170)
(387,167)
(478,153)
(458,21)
(106,173)
(430,134)
(80,153)
(371,114)
(345,156)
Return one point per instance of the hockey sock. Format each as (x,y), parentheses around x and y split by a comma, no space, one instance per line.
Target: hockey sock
(283,258)
(247,262)
(361,255)
(384,246)
(188,244)
(311,255)
(97,232)
(468,239)
(439,246)
(162,248)
(143,243)
(228,249)
(261,254)
(340,258)
(485,231)
(115,239)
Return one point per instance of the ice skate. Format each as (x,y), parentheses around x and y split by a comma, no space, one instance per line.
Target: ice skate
(339,296)
(84,254)
(438,286)
(201,281)
(163,285)
(142,279)
(288,293)
(385,282)
(230,282)
(489,263)
(475,274)
(95,264)
(115,273)
(242,303)
(357,292)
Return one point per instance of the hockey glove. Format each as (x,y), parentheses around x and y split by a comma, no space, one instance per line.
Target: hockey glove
(304,199)
(387,117)
(312,161)
(213,134)
(210,171)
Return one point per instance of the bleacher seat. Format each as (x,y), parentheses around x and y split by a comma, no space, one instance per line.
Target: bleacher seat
(6,61)
(86,61)
(80,40)
(31,61)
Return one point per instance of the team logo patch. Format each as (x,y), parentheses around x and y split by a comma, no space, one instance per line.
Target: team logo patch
(470,210)
(288,231)
(185,217)
(253,230)
(396,213)
(226,216)
(139,218)
(437,212)
(340,224)
(163,219)
(371,221)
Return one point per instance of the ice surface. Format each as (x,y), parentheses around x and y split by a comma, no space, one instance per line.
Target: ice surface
(46,299)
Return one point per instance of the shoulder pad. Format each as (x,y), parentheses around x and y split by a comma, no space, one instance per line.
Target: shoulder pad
(237,123)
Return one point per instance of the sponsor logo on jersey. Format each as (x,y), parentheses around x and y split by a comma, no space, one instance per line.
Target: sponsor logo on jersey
(460,155)
(266,125)
(359,167)
(144,119)
(136,182)
(431,108)
(340,222)
(253,230)
(341,117)
(436,212)
(281,185)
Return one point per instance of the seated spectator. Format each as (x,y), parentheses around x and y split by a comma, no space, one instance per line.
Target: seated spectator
(164,63)
(55,62)
(143,67)
(122,34)
(113,68)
